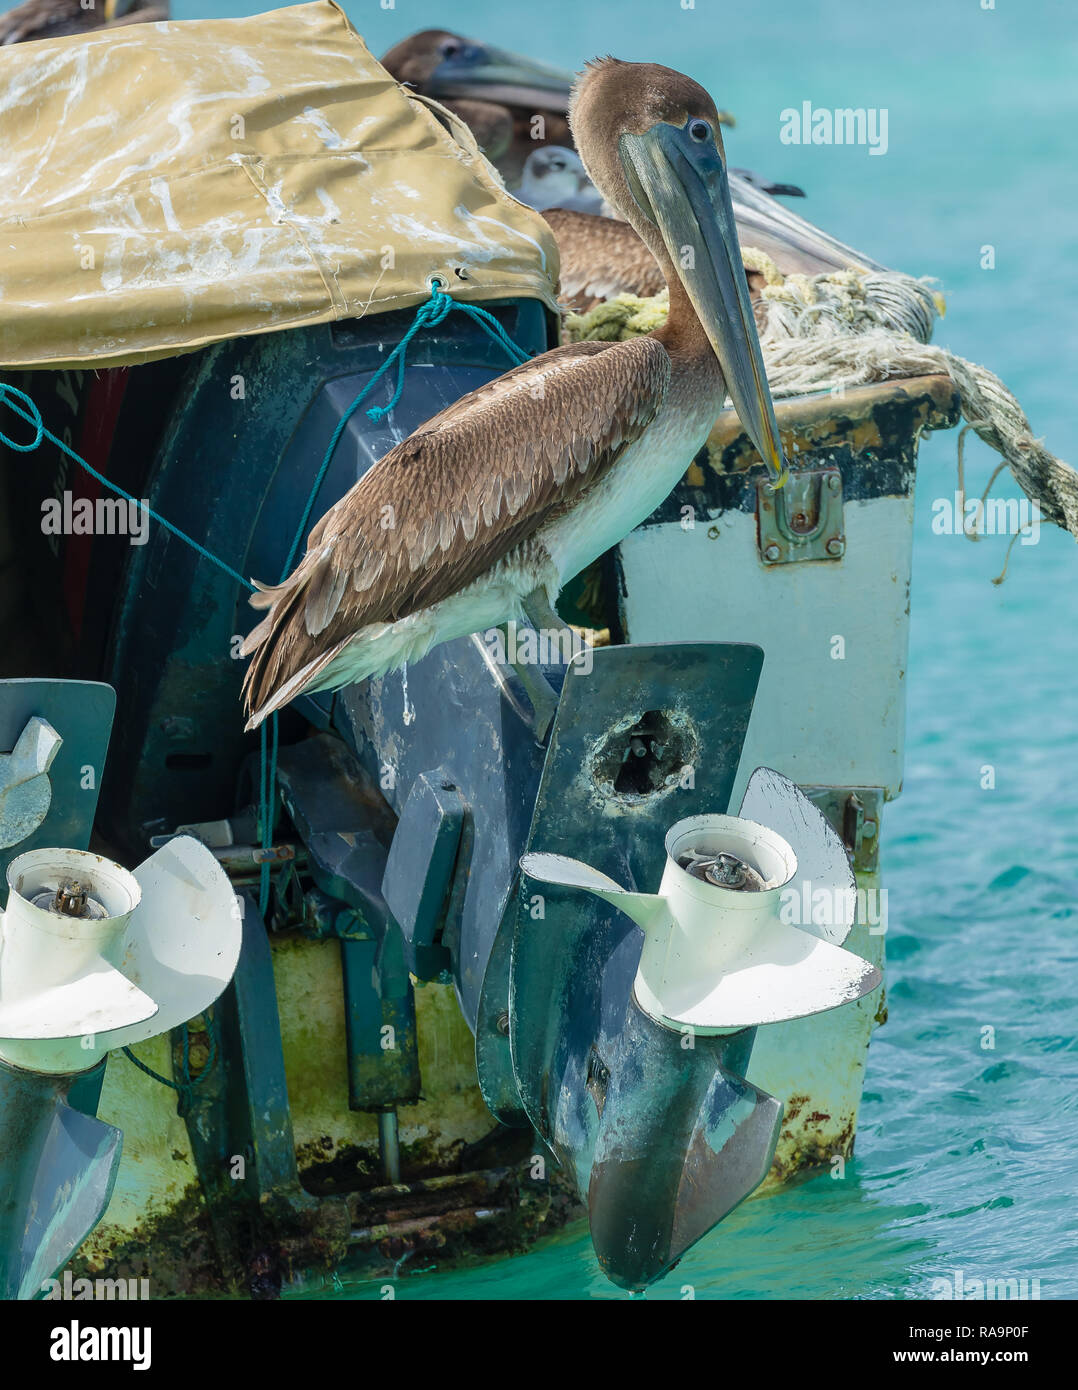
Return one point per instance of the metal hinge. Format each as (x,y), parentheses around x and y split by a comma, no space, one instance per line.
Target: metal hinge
(855,814)
(803,520)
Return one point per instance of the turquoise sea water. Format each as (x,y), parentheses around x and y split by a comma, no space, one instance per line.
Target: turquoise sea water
(965,1157)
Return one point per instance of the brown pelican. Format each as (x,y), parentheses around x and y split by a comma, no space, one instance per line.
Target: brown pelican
(495,93)
(52,19)
(522,483)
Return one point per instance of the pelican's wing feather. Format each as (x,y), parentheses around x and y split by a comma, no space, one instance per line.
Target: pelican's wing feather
(601,257)
(455,497)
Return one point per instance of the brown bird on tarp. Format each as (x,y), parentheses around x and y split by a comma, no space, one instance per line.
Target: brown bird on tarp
(497,94)
(491,505)
(53,19)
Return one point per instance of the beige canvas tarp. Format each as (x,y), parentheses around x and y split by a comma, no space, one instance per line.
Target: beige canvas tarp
(168,185)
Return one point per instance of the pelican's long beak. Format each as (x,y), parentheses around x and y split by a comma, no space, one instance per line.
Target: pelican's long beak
(491,74)
(681,185)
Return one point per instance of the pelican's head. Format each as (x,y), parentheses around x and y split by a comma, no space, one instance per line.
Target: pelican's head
(445,65)
(650,140)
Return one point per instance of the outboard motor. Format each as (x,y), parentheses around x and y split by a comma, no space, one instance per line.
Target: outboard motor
(660,1164)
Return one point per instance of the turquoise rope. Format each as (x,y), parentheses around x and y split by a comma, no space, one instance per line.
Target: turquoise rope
(15,400)
(428,315)
(185,1089)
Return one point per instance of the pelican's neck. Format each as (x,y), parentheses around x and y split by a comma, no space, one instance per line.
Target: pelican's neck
(682,334)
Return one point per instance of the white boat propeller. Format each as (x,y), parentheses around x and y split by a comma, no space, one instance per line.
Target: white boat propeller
(93,957)
(723,947)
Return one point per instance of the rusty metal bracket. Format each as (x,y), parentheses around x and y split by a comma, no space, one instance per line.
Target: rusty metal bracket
(855,814)
(803,520)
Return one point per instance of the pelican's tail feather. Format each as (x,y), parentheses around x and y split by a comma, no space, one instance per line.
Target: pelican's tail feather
(305,679)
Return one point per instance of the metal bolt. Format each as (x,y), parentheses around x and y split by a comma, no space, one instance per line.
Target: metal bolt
(503,1025)
(836,545)
(724,870)
(772,553)
(727,870)
(834,482)
(70,899)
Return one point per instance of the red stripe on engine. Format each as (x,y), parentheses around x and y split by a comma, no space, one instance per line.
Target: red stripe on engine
(102,409)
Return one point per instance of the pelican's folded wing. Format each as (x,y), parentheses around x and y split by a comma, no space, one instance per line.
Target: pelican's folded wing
(456,496)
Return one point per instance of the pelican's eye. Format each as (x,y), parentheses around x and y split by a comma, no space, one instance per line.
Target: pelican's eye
(699,130)
(449,48)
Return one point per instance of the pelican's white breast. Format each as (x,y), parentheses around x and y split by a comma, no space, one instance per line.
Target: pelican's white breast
(641,480)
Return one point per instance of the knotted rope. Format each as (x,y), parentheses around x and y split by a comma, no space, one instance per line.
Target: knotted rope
(852,328)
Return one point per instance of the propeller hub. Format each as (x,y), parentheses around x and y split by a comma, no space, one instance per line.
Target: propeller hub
(724,870)
(71,899)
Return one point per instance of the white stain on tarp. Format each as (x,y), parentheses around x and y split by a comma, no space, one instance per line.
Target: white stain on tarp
(160,190)
(355,137)
(317,121)
(245,60)
(333,212)
(128,145)
(503,227)
(72,85)
(114,213)
(180,117)
(408,226)
(275,202)
(197,263)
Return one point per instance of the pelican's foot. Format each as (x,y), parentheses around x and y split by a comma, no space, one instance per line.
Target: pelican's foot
(538,611)
(542,697)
